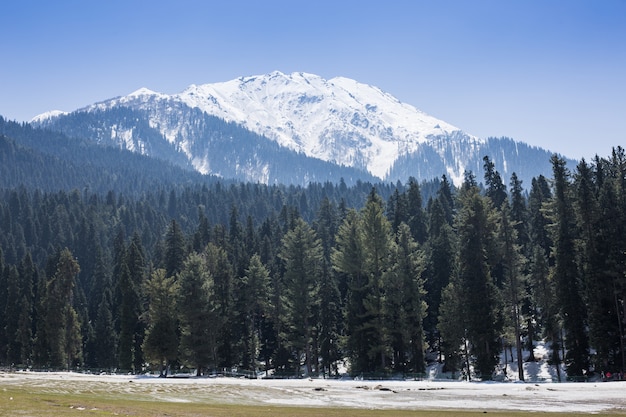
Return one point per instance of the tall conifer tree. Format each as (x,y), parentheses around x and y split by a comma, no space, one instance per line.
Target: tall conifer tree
(566,274)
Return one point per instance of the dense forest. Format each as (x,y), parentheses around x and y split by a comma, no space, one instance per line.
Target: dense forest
(212,275)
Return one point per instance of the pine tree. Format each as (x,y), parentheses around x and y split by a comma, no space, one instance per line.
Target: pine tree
(11,315)
(440,266)
(452,327)
(4,339)
(330,320)
(445,195)
(404,304)
(377,244)
(202,236)
(128,316)
(199,320)
(512,261)
(397,209)
(254,298)
(480,306)
(348,258)
(566,274)
(541,291)
(131,307)
(161,342)
(24,334)
(218,266)
(60,321)
(174,249)
(416,215)
(302,255)
(599,221)
(496,190)
(105,335)
(29,278)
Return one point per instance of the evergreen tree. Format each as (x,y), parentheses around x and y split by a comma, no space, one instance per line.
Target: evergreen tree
(202,236)
(512,261)
(541,294)
(377,244)
(174,249)
(105,335)
(446,197)
(254,298)
(348,258)
(416,215)
(128,317)
(330,320)
(404,304)
(452,327)
(161,342)
(496,190)
(599,221)
(397,209)
(131,307)
(302,255)
(11,315)
(565,273)
(60,331)
(229,349)
(24,334)
(199,320)
(479,295)
(4,339)
(440,266)
(26,327)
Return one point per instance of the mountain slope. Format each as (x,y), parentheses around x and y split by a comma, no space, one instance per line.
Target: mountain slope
(51,161)
(353,127)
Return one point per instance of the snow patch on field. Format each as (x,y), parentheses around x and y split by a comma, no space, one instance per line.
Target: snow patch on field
(406,395)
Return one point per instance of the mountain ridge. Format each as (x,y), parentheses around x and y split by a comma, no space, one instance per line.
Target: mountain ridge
(340,121)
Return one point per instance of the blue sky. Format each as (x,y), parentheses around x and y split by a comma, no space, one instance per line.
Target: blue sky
(549,73)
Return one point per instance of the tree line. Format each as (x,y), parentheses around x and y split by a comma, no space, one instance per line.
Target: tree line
(309,277)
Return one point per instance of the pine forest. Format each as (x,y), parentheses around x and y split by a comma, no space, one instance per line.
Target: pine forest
(214,276)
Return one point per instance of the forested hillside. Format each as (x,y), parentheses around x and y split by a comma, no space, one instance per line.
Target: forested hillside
(214,275)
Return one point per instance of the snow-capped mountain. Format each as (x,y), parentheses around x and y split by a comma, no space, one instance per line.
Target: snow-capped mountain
(339,121)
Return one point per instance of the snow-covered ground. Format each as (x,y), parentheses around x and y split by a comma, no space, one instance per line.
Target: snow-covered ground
(540,392)
(590,397)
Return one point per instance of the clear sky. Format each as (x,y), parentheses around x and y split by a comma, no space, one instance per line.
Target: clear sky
(550,73)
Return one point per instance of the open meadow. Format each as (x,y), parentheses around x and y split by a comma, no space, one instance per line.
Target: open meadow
(67,394)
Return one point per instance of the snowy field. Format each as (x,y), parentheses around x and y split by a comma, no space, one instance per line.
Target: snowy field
(590,397)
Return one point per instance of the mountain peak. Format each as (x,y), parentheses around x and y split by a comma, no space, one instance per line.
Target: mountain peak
(143,91)
(337,120)
(40,118)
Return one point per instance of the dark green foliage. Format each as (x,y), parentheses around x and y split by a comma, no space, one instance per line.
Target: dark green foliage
(478,294)
(105,335)
(439,250)
(405,308)
(302,256)
(254,309)
(199,319)
(496,190)
(373,268)
(160,344)
(566,274)
(59,332)
(174,249)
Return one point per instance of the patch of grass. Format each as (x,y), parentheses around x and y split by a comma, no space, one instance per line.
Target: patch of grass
(37,402)
(37,398)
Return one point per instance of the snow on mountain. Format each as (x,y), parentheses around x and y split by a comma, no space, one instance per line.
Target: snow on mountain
(338,121)
(47,115)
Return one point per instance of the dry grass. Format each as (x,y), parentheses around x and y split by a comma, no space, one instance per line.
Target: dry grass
(59,397)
